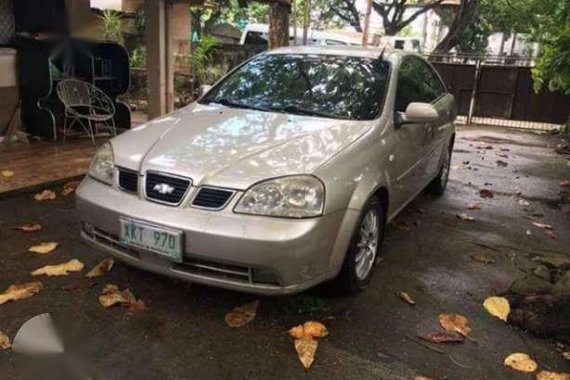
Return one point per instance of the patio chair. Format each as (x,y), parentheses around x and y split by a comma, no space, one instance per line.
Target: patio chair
(86,105)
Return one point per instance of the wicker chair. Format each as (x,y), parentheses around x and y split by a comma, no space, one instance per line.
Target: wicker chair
(87,105)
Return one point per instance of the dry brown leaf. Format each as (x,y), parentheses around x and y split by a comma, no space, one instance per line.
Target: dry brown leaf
(551,234)
(309,329)
(543,226)
(546,375)
(43,248)
(20,292)
(443,337)
(475,206)
(486,193)
(111,295)
(28,227)
(5,342)
(498,307)
(455,322)
(59,270)
(521,362)
(7,173)
(419,377)
(565,182)
(465,217)
(70,188)
(46,195)
(406,298)
(502,163)
(136,306)
(242,315)
(306,349)
(482,258)
(101,269)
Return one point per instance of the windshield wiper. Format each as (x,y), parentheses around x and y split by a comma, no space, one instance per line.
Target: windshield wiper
(294,109)
(233,104)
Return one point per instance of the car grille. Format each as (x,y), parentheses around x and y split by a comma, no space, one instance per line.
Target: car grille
(212,198)
(128,180)
(173,188)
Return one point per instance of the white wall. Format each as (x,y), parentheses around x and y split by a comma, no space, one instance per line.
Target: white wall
(107,4)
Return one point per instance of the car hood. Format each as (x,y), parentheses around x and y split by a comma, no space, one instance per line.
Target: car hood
(231,147)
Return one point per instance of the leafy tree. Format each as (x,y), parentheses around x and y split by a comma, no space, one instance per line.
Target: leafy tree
(393,13)
(463,17)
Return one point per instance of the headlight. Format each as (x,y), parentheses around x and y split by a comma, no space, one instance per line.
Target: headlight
(289,197)
(103,164)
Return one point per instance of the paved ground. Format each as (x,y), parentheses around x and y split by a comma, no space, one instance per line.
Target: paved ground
(372,336)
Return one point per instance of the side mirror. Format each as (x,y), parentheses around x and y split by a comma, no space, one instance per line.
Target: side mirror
(419,113)
(203,89)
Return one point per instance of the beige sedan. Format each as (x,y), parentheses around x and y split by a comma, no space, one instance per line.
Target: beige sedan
(282,176)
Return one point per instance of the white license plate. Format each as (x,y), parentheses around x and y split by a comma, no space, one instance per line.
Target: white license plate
(164,241)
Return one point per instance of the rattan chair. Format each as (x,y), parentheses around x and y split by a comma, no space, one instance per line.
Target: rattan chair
(87,105)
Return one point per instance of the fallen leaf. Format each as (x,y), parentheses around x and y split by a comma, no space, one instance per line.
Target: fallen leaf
(498,307)
(20,292)
(522,202)
(443,337)
(242,315)
(28,227)
(463,216)
(458,167)
(7,173)
(309,329)
(543,226)
(59,270)
(486,193)
(520,362)
(70,188)
(101,269)
(421,378)
(306,349)
(546,375)
(565,183)
(475,206)
(406,298)
(551,234)
(46,195)
(502,163)
(43,248)
(136,306)
(5,342)
(482,258)
(503,155)
(402,226)
(111,295)
(455,322)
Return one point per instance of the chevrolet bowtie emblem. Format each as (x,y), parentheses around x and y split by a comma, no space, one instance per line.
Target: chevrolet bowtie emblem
(163,188)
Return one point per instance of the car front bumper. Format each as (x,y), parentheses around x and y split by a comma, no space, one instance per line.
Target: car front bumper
(240,252)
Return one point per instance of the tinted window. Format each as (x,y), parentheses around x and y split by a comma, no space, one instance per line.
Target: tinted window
(331,86)
(417,82)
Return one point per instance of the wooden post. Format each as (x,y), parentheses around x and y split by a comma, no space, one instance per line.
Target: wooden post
(306,21)
(473,101)
(366,24)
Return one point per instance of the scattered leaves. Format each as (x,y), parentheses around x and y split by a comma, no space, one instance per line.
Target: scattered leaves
(59,270)
(546,375)
(20,292)
(475,206)
(420,377)
(443,337)
(242,315)
(309,329)
(111,295)
(306,349)
(498,307)
(482,258)
(465,217)
(5,342)
(486,193)
(520,362)
(43,248)
(70,188)
(101,269)
(35,227)
(502,163)
(542,225)
(406,298)
(7,173)
(455,322)
(565,183)
(46,195)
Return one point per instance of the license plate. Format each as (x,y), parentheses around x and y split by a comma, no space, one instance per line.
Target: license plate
(163,241)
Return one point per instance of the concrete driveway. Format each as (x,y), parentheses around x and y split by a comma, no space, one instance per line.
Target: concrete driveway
(372,335)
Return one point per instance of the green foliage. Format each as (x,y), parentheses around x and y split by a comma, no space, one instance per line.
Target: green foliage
(201,62)
(137,57)
(475,38)
(111,26)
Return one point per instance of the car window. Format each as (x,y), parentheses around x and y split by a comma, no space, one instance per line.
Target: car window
(417,82)
(333,86)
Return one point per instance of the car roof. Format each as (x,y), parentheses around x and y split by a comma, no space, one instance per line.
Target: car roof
(342,50)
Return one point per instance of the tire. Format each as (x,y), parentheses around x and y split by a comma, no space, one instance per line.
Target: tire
(358,265)
(438,185)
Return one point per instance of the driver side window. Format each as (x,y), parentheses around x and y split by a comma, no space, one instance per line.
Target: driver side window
(416,83)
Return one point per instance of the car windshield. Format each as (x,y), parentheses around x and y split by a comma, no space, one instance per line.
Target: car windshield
(339,87)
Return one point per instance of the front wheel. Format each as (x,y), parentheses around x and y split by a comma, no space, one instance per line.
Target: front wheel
(363,251)
(439,184)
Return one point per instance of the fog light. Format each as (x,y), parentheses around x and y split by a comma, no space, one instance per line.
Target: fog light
(264,276)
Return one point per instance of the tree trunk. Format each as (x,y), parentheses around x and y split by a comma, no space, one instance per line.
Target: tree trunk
(279,25)
(464,16)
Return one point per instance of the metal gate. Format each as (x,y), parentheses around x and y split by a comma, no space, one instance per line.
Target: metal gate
(503,95)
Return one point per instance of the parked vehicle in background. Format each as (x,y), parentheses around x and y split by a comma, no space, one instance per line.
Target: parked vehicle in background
(258,34)
(398,42)
(282,176)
